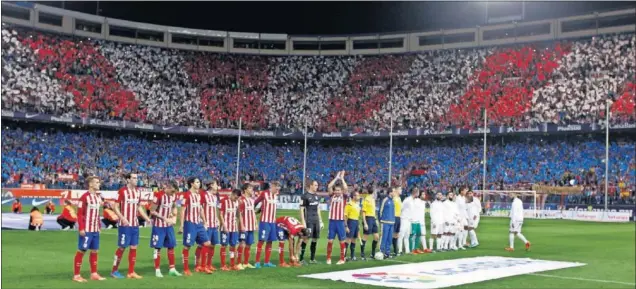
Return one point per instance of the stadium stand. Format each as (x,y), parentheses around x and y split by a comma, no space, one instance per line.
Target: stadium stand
(564,82)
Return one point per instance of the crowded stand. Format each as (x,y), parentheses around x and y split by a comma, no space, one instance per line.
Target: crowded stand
(31,154)
(565,82)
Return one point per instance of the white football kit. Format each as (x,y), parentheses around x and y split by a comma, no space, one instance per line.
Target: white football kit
(437,217)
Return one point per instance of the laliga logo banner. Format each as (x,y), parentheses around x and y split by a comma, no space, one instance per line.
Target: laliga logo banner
(441,274)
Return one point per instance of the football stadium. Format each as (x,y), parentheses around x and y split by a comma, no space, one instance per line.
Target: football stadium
(318,144)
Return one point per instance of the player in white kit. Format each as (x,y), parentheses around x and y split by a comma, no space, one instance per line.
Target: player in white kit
(450,223)
(516,222)
(407,216)
(437,222)
(473,211)
(462,219)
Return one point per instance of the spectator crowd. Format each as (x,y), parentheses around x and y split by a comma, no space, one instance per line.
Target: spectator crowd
(564,82)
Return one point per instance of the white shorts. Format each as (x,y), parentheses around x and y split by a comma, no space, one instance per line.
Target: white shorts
(451,228)
(405,227)
(516,226)
(473,223)
(437,228)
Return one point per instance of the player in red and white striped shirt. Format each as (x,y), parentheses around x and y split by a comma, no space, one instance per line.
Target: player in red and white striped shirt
(247,226)
(89,227)
(193,224)
(337,203)
(126,209)
(164,214)
(267,227)
(229,228)
(210,203)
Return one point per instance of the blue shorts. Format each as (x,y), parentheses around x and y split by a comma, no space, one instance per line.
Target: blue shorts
(230,238)
(163,237)
(88,242)
(127,236)
(396,226)
(336,227)
(247,237)
(353,229)
(213,235)
(282,234)
(267,232)
(372,226)
(194,232)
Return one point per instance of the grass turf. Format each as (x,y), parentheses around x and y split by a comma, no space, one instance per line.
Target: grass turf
(44,259)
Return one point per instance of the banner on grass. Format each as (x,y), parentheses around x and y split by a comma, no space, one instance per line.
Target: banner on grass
(441,274)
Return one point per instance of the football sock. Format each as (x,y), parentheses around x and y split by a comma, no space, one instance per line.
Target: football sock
(522,238)
(232,249)
(312,250)
(343,248)
(473,237)
(171,260)
(259,250)
(209,256)
(132,259)
(197,256)
(239,255)
(93,260)
(246,255)
(352,248)
(118,254)
(362,246)
(395,248)
(156,255)
(223,256)
(400,244)
(374,247)
(303,246)
(77,262)
(186,254)
(268,252)
(511,239)
(430,243)
(281,252)
(329,248)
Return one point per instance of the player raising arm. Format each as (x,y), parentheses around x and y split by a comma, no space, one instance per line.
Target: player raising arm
(288,229)
(516,222)
(89,228)
(127,209)
(164,213)
(193,224)
(336,216)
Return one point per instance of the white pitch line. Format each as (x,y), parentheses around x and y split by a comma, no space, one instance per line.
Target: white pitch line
(583,279)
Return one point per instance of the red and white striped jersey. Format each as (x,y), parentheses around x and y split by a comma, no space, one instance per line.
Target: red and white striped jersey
(229,209)
(192,205)
(268,208)
(290,224)
(337,207)
(88,212)
(165,204)
(128,202)
(210,203)
(248,214)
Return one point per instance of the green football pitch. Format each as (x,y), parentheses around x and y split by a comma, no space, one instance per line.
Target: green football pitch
(44,260)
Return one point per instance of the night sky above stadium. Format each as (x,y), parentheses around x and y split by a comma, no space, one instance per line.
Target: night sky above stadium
(325,18)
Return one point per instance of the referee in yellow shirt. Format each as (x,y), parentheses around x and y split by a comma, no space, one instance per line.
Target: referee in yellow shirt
(370,223)
(397,203)
(351,217)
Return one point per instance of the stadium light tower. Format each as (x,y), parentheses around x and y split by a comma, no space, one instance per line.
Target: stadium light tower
(607,125)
